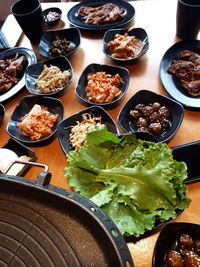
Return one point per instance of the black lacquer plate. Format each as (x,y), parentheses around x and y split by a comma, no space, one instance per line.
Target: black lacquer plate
(53,105)
(31,59)
(65,126)
(78,22)
(170,83)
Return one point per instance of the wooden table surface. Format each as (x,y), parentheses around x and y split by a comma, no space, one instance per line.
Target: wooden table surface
(158,18)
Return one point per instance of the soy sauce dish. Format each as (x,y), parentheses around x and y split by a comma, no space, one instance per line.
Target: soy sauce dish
(52,15)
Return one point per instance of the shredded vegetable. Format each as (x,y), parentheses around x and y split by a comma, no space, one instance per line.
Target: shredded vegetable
(79,131)
(52,79)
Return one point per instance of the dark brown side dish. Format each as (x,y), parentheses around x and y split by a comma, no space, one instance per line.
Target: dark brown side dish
(61,47)
(185,252)
(187,71)
(10,70)
(101,14)
(152,117)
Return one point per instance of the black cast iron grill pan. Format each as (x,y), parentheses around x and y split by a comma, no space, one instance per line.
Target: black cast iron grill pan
(44,225)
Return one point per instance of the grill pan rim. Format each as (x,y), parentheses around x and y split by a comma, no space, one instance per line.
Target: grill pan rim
(116,240)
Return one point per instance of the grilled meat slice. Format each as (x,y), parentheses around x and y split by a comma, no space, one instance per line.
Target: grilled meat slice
(192,56)
(180,65)
(187,71)
(181,69)
(102,14)
(8,72)
(193,87)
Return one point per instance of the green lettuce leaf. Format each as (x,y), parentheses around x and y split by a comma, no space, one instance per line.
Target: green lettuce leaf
(135,182)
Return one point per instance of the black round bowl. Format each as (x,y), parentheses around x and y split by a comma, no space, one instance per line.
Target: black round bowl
(50,19)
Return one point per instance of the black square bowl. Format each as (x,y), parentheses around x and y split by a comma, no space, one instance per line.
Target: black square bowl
(147,97)
(71,34)
(109,69)
(54,106)
(34,70)
(139,33)
(190,154)
(64,127)
(168,236)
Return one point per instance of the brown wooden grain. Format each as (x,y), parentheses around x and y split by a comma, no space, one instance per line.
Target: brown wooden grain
(158,19)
